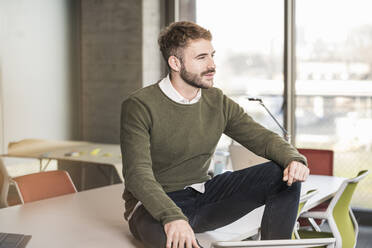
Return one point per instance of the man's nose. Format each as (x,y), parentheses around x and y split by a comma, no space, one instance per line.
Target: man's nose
(211,64)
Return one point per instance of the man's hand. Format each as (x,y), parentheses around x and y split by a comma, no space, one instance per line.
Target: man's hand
(180,234)
(295,171)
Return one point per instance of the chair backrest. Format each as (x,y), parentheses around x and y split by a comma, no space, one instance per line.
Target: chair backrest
(323,242)
(42,185)
(4,185)
(320,162)
(339,207)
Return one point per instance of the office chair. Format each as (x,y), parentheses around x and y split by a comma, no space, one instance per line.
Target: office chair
(42,185)
(302,203)
(320,162)
(339,215)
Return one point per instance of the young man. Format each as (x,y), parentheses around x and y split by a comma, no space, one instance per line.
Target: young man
(169,132)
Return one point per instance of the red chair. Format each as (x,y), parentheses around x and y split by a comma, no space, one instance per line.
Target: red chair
(43,185)
(320,162)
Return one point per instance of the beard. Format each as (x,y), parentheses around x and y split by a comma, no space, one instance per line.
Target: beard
(195,79)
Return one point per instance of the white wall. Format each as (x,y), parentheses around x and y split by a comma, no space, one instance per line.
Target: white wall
(38,70)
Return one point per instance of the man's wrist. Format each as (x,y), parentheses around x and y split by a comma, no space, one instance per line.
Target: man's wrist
(173,218)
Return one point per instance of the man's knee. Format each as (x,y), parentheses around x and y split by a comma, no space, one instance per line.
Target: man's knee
(296,188)
(146,229)
(274,171)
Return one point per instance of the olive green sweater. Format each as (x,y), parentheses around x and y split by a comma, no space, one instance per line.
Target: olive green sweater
(167,146)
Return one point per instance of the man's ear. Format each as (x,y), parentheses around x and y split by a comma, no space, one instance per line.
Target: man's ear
(174,63)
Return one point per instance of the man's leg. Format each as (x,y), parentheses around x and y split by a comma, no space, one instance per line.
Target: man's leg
(231,195)
(150,231)
(147,229)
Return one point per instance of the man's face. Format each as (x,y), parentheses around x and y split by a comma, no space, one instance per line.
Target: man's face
(197,64)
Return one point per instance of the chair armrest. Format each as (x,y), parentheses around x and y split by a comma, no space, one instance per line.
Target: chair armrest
(314,214)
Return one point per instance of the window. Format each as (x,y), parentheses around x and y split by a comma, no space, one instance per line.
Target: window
(334,72)
(248,38)
(334,85)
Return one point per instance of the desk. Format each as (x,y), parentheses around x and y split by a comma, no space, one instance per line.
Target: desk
(94,218)
(91,218)
(78,151)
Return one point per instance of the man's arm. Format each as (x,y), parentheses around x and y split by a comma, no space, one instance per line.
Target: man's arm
(137,164)
(261,141)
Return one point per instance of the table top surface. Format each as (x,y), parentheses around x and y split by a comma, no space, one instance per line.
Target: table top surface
(94,218)
(66,150)
(78,151)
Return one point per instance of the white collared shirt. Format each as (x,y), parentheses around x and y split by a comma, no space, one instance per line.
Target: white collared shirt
(168,89)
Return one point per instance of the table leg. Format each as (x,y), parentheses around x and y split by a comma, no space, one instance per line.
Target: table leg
(83,177)
(112,176)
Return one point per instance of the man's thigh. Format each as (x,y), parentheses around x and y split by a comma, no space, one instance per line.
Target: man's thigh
(232,195)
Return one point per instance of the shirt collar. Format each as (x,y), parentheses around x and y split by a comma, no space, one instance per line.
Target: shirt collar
(168,89)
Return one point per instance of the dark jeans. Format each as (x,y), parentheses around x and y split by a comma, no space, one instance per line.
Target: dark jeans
(227,198)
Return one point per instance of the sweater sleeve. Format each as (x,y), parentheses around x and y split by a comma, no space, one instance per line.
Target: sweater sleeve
(137,164)
(256,138)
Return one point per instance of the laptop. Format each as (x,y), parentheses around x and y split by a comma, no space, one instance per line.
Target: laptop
(13,240)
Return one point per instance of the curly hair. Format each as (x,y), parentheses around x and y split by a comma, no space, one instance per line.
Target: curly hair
(174,38)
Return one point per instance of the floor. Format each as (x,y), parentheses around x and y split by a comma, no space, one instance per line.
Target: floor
(364,237)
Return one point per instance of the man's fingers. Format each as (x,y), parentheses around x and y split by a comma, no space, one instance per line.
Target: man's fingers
(303,172)
(290,176)
(294,172)
(306,174)
(169,240)
(303,175)
(175,240)
(182,241)
(297,174)
(195,244)
(188,243)
(285,174)
(180,235)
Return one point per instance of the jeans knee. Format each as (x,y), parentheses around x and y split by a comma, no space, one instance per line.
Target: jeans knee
(146,229)
(275,172)
(296,188)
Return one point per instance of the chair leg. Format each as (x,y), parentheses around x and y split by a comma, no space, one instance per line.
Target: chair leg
(355,223)
(295,230)
(314,225)
(335,231)
(257,236)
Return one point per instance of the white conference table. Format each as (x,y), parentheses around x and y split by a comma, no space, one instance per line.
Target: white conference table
(72,151)
(94,218)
